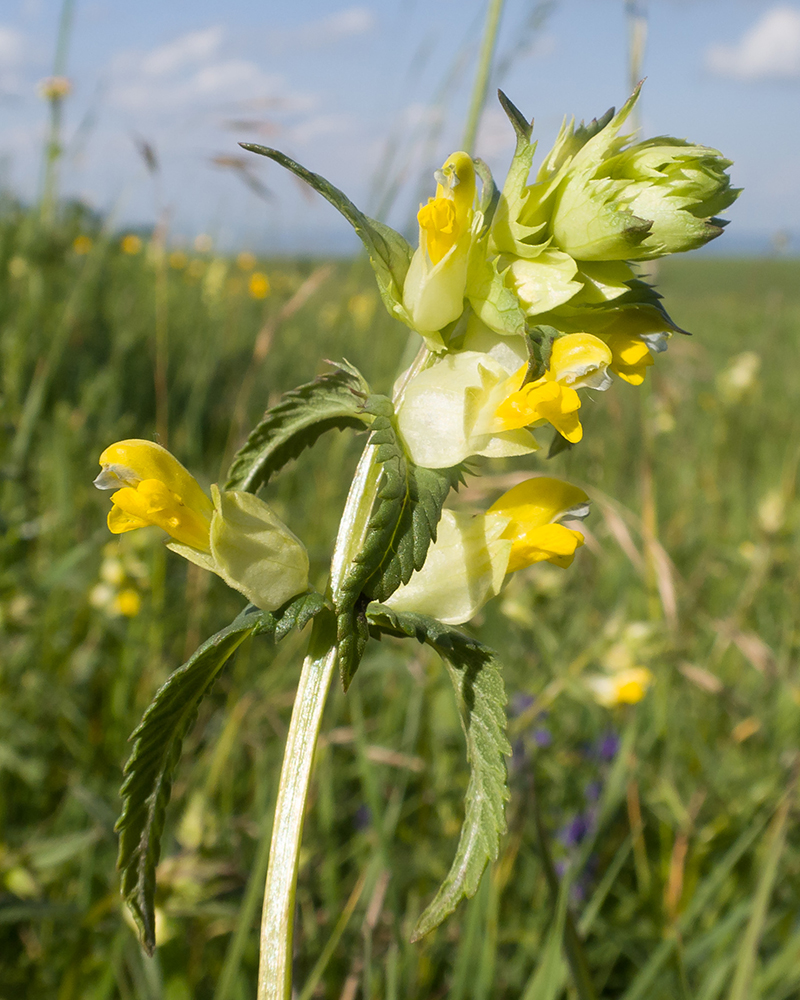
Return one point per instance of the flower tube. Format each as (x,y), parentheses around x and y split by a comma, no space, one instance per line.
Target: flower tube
(231,533)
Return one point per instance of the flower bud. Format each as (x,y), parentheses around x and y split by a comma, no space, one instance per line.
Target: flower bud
(637,203)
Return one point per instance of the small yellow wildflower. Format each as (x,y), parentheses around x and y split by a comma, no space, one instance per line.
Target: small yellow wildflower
(55,88)
(246,261)
(128,602)
(178,260)
(627,687)
(362,309)
(131,244)
(82,245)
(258,286)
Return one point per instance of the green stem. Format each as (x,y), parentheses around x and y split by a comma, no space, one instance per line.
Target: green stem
(52,150)
(277,919)
(481,84)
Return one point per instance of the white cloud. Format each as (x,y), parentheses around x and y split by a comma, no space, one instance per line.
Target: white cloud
(13,51)
(196,46)
(768,50)
(187,72)
(12,47)
(347,23)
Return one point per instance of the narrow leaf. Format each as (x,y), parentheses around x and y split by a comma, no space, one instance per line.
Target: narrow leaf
(158,740)
(480,693)
(333,400)
(741,988)
(389,252)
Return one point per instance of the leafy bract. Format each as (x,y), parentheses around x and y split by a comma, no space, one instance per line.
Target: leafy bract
(401,526)
(158,740)
(389,252)
(333,400)
(480,692)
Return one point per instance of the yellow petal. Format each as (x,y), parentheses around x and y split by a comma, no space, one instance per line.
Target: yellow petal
(550,543)
(151,502)
(133,460)
(537,502)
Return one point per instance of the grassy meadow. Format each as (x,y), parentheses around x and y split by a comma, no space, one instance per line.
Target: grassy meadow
(673,821)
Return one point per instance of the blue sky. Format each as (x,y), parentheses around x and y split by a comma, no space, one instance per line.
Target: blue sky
(373,95)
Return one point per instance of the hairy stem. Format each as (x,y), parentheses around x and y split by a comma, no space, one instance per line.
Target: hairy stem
(277,918)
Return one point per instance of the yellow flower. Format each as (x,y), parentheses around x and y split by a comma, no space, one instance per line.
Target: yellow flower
(533,509)
(434,287)
(128,602)
(82,245)
(131,244)
(258,285)
(235,535)
(472,555)
(577,360)
(631,357)
(627,687)
(156,489)
(178,260)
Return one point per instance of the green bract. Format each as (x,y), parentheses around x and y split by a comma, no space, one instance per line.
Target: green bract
(252,550)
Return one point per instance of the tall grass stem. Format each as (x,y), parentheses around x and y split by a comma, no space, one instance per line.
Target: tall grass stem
(481,85)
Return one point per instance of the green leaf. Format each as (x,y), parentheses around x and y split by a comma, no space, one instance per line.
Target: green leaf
(558,444)
(522,127)
(158,740)
(401,526)
(480,692)
(540,345)
(333,400)
(389,252)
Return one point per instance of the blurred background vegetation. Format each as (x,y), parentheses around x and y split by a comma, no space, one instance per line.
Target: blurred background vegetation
(675,817)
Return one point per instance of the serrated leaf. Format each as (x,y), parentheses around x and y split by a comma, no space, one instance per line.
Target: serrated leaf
(389,252)
(539,341)
(522,127)
(333,400)
(558,444)
(401,526)
(158,740)
(480,692)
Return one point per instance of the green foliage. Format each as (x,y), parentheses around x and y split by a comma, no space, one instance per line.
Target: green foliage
(389,253)
(149,772)
(390,779)
(481,697)
(158,741)
(331,401)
